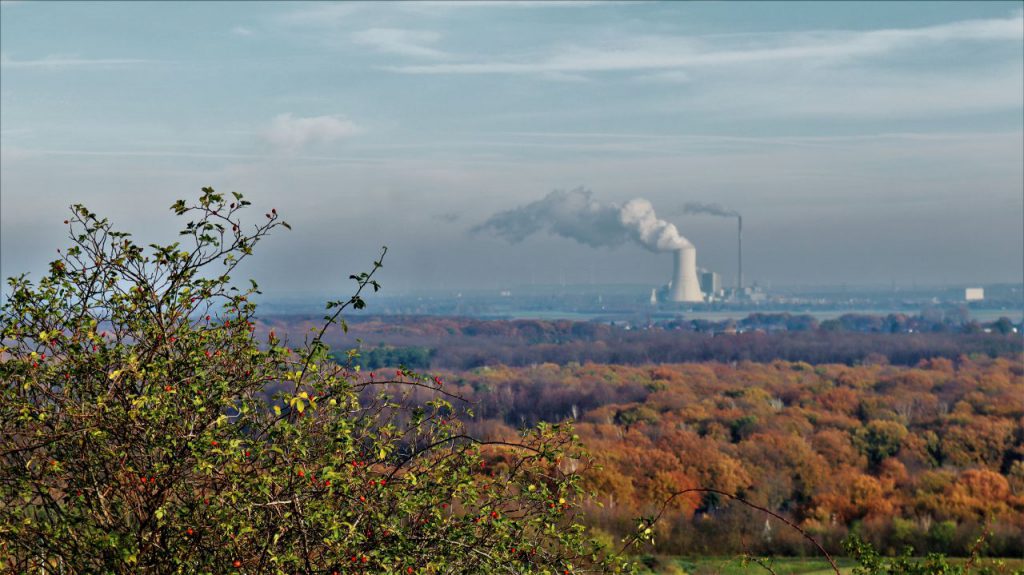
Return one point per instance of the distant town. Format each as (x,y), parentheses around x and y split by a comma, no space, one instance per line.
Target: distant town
(639,305)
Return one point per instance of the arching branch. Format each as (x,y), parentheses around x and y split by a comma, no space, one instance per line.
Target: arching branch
(807,536)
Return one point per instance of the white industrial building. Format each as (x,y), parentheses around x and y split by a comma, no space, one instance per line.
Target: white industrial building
(711,284)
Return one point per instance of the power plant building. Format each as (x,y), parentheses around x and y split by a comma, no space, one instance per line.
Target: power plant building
(710,283)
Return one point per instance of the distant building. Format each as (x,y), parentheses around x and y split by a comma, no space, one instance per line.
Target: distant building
(752,294)
(974,294)
(710,283)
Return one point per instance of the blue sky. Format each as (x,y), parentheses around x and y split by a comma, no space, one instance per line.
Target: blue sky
(863,142)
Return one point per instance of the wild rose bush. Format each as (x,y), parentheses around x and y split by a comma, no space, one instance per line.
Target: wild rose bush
(137,433)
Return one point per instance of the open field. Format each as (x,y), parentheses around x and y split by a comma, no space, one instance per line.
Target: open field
(791,565)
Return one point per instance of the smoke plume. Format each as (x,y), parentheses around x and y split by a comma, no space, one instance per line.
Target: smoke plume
(576,215)
(709,209)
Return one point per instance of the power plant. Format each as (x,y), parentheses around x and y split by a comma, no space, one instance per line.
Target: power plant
(719,211)
(576,215)
(685,285)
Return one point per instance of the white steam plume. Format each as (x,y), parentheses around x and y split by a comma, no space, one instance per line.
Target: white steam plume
(576,215)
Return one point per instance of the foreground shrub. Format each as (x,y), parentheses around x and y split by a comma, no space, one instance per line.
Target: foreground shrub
(137,433)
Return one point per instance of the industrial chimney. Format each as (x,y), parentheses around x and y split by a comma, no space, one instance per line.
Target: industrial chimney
(739,259)
(685,286)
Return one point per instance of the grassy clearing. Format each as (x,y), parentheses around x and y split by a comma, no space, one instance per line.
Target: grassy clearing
(787,565)
(736,566)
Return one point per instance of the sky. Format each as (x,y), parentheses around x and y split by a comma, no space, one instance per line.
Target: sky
(863,143)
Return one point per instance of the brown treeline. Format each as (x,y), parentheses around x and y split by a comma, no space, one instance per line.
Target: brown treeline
(466,343)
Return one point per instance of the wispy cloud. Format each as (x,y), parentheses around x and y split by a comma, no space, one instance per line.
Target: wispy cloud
(681,52)
(415,43)
(32,152)
(665,77)
(651,141)
(290,133)
(862,92)
(11,154)
(55,62)
(463,4)
(242,31)
(322,15)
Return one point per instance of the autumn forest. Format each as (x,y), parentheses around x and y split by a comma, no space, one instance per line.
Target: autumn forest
(904,439)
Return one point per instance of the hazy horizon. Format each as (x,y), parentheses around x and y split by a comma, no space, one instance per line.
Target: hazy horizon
(863,143)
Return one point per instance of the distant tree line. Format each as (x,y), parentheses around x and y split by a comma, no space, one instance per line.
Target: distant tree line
(386,355)
(454,343)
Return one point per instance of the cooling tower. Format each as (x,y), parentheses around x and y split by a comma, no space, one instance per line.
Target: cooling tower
(685,285)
